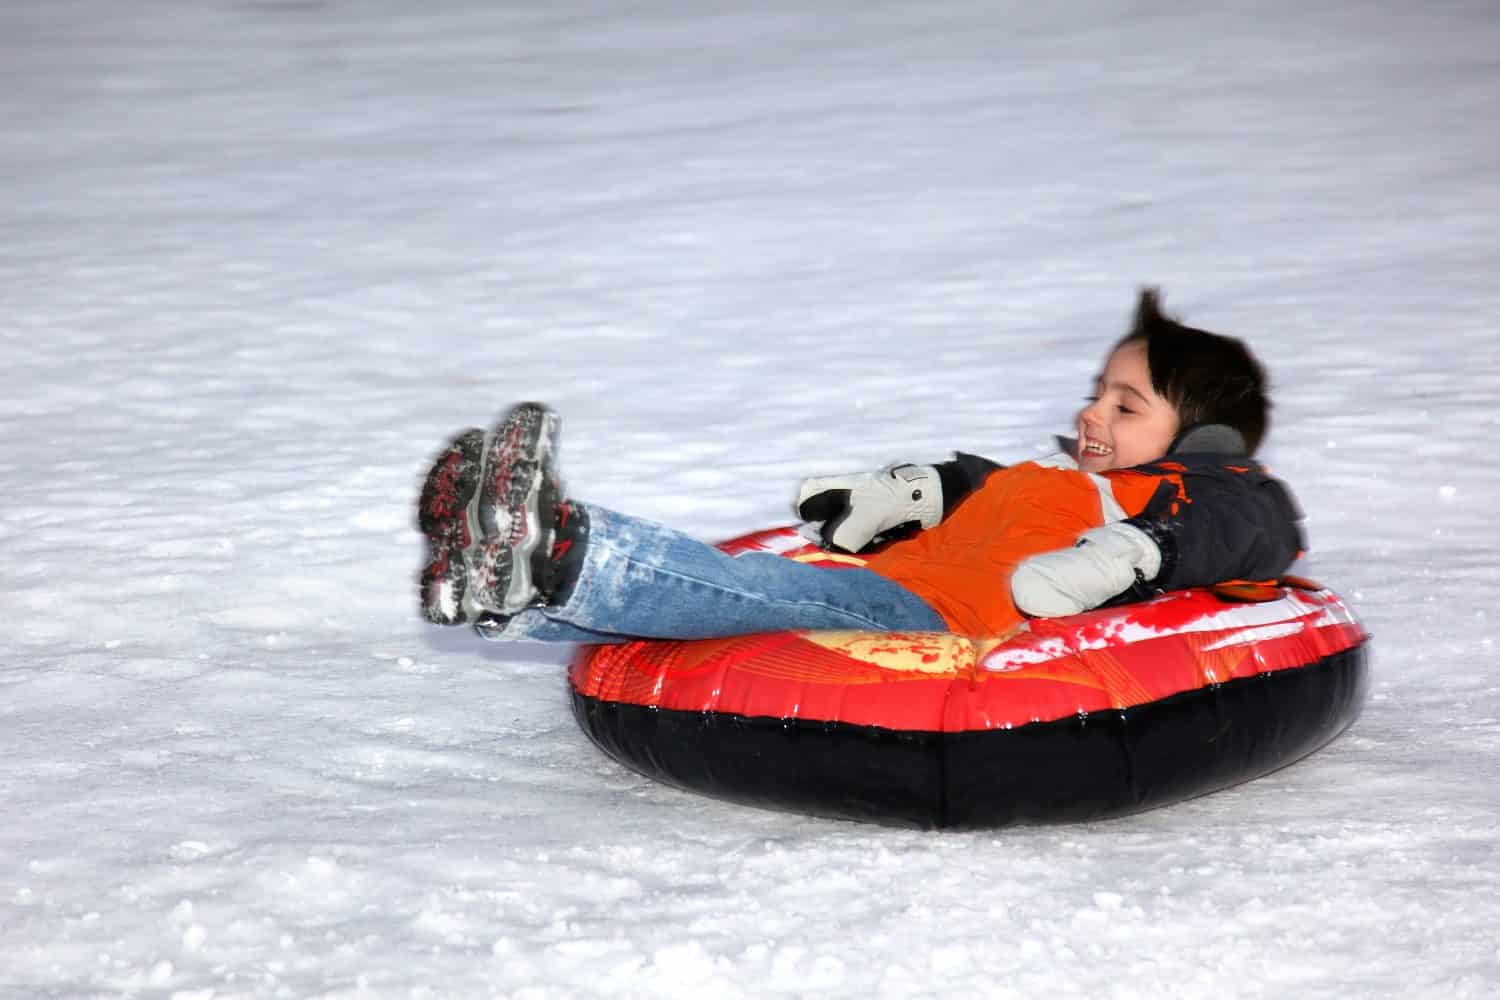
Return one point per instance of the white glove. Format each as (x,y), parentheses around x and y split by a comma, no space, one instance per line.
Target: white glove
(1103,564)
(856,508)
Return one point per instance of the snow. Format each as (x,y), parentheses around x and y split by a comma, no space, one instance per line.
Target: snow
(261,257)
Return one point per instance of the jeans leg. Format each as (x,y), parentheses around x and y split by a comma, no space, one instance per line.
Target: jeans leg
(643,580)
(533,625)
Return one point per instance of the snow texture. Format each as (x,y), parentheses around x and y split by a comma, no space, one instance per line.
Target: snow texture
(260,258)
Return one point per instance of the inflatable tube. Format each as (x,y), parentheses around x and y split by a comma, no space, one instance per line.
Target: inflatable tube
(1097,715)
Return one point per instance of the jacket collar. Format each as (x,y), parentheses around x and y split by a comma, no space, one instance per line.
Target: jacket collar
(1199,439)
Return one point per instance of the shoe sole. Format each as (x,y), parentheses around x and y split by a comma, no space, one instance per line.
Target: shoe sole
(445,513)
(518,484)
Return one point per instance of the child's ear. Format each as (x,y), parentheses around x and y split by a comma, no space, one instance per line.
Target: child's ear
(1218,439)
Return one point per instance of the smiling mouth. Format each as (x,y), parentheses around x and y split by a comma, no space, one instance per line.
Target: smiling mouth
(1095,448)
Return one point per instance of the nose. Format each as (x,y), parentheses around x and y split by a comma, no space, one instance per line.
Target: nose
(1093,414)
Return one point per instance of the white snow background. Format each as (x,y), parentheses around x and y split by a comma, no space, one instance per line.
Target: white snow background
(259,259)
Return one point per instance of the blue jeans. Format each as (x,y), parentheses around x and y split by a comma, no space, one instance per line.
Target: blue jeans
(642,581)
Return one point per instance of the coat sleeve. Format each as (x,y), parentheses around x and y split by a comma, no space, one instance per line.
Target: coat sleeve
(1225,524)
(962,476)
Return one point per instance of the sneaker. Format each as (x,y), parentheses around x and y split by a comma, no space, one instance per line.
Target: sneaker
(519,496)
(559,573)
(554,576)
(446,514)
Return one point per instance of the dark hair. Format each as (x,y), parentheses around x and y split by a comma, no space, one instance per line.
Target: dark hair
(1208,378)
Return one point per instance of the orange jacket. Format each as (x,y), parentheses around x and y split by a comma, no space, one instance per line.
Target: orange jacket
(962,566)
(1213,521)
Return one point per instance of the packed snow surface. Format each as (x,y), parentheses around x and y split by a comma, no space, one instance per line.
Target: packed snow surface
(260,258)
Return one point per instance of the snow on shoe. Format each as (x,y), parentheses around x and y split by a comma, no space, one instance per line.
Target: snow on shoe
(519,494)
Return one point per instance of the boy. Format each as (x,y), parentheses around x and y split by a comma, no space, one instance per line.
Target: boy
(1158,493)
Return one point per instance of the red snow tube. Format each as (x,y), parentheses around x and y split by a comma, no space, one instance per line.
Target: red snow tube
(1102,714)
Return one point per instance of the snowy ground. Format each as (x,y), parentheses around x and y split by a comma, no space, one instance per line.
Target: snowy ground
(258,259)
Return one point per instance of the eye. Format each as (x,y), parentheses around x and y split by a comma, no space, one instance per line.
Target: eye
(1091,399)
(1126,409)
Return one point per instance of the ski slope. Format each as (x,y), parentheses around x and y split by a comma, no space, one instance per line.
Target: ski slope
(259,259)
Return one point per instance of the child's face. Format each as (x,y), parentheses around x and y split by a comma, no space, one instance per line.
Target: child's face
(1126,423)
